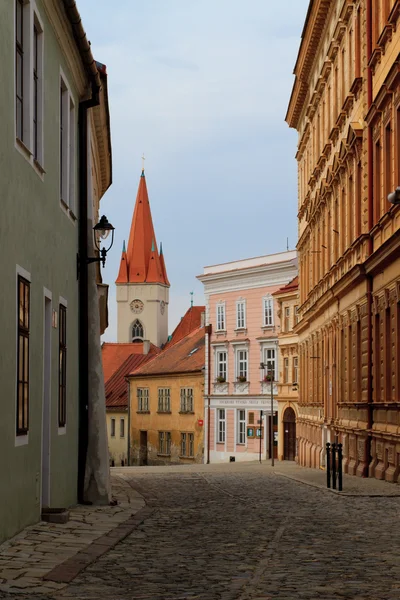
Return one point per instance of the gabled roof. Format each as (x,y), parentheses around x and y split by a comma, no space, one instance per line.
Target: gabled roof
(143,263)
(185,356)
(117,386)
(188,323)
(114,354)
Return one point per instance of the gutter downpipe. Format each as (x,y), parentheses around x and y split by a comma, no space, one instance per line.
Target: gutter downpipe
(370,244)
(208,332)
(83,439)
(128,454)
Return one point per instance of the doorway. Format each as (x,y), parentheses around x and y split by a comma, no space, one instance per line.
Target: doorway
(46,405)
(143,448)
(289,434)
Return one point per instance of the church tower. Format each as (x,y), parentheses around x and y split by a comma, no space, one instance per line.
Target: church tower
(142,282)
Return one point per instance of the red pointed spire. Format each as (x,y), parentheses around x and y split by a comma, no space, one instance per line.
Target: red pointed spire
(163,267)
(143,260)
(123,268)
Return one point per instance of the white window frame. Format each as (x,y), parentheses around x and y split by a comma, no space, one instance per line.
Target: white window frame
(220,316)
(187,400)
(265,359)
(241,314)
(268,300)
(142,394)
(239,359)
(164,399)
(241,427)
(221,426)
(67,146)
(25,144)
(218,353)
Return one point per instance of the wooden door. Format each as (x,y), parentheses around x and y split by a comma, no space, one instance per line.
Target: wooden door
(289,434)
(143,448)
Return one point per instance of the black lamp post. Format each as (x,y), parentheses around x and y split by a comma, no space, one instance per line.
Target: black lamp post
(271,432)
(101,231)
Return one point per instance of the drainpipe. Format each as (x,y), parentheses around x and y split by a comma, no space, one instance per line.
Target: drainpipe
(208,332)
(370,244)
(83,430)
(129,422)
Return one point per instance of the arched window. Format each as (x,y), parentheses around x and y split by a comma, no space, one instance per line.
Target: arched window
(137,331)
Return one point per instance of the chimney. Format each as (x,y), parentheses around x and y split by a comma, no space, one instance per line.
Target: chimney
(146,346)
(202,319)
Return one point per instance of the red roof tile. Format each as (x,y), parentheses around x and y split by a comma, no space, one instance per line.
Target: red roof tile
(114,354)
(185,356)
(117,386)
(292,286)
(188,323)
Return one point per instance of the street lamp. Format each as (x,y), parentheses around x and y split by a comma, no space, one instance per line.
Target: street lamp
(101,231)
(271,432)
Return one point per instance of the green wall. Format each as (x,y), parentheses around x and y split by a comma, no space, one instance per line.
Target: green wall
(37,235)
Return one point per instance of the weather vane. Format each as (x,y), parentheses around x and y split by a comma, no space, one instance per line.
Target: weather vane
(143,159)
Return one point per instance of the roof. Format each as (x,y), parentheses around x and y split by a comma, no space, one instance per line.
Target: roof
(114,354)
(185,356)
(117,387)
(141,263)
(188,323)
(292,286)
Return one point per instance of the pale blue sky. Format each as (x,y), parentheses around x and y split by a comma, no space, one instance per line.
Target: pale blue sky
(201,87)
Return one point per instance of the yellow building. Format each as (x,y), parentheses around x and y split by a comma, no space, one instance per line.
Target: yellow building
(345,105)
(287,298)
(166,399)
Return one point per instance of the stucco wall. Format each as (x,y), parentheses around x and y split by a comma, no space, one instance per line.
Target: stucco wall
(117,444)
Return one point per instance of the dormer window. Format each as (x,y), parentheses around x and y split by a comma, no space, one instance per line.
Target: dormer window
(137,331)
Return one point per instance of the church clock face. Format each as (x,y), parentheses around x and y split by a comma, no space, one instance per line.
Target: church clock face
(136,306)
(162,307)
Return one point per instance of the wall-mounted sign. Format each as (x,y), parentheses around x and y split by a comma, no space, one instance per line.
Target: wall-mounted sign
(250,432)
(260,432)
(200,422)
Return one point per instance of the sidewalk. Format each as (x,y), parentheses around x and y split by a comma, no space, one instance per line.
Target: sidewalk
(352,485)
(45,557)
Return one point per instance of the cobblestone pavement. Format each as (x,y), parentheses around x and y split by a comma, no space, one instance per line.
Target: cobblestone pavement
(245,533)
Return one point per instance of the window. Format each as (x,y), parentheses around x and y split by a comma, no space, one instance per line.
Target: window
(221,369)
(62,365)
(137,331)
(295,369)
(296,315)
(164,399)
(251,418)
(24,299)
(221,426)
(220,317)
(268,312)
(186,399)
(287,319)
(241,364)
(19,68)
(240,314)
(285,370)
(241,426)
(122,428)
(112,428)
(37,80)
(270,361)
(187,445)
(164,442)
(143,399)
(67,146)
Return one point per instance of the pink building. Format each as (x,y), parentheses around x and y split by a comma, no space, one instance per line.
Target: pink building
(242,313)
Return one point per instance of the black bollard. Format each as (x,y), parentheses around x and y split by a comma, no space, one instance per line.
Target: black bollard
(328,465)
(340,468)
(334,466)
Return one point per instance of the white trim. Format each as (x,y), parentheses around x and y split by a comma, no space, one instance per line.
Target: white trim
(63,301)
(20,440)
(217,351)
(220,304)
(268,298)
(67,196)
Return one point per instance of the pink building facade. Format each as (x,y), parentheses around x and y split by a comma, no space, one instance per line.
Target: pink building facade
(242,313)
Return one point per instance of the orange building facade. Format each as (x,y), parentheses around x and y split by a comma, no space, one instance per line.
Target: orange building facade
(345,105)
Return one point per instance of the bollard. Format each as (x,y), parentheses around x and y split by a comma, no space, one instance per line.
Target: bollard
(340,469)
(333,460)
(328,465)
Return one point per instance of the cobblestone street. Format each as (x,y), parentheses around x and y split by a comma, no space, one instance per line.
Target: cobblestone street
(245,533)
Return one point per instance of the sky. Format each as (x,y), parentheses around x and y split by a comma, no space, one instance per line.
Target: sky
(201,88)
